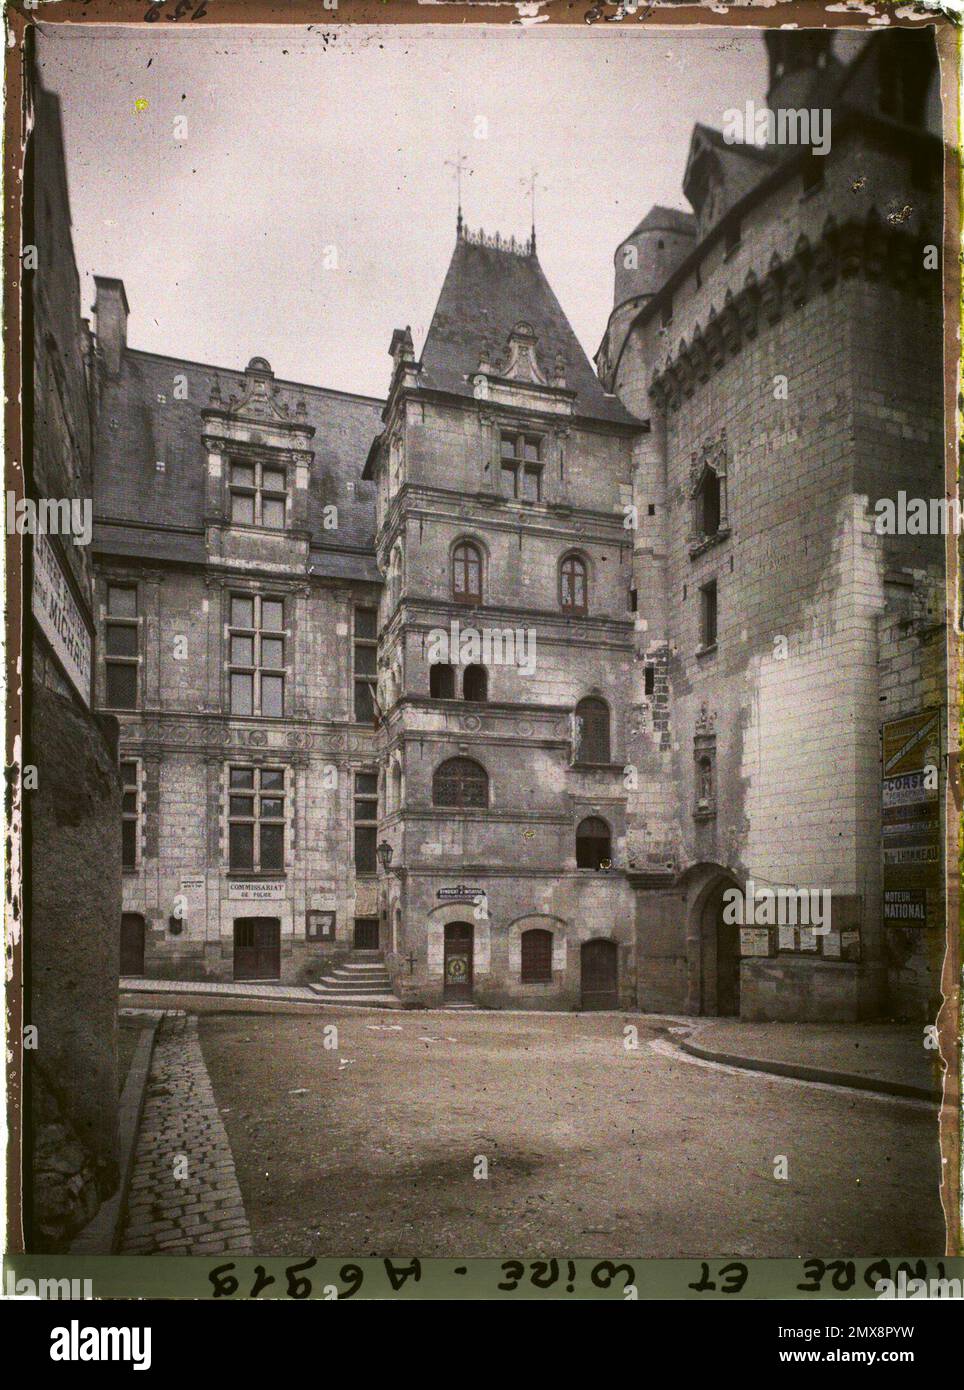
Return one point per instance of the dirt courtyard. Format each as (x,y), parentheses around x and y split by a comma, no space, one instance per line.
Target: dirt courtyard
(447,1134)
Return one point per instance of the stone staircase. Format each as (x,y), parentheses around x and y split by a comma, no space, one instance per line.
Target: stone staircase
(360,979)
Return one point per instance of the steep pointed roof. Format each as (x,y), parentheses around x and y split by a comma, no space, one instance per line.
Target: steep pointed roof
(488,290)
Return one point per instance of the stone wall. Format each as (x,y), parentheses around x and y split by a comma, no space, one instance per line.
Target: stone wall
(73,892)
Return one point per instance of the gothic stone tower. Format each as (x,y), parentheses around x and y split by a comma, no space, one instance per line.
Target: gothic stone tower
(790,368)
(505,649)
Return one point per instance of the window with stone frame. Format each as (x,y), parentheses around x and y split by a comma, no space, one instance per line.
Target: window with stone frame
(536,956)
(121,647)
(441,681)
(573,585)
(708,495)
(592,733)
(257,819)
(256,655)
(709,615)
(259,493)
(460,782)
(130,769)
(593,844)
(467,573)
(520,457)
(365,662)
(475,683)
(365,821)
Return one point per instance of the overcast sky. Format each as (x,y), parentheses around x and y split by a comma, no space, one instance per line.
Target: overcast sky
(301,139)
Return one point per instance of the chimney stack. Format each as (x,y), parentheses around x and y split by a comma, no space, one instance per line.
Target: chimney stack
(111,310)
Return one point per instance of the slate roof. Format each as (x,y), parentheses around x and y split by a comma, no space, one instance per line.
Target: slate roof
(664,219)
(486,292)
(141,422)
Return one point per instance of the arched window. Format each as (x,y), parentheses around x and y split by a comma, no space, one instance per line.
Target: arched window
(592,731)
(441,681)
(467,573)
(536,956)
(460,782)
(475,683)
(573,585)
(593,844)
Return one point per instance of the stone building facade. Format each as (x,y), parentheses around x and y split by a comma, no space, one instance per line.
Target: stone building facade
(69,792)
(510,676)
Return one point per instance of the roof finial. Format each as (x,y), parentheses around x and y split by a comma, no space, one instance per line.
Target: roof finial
(458,165)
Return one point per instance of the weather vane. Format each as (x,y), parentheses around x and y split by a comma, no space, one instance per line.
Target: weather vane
(458,165)
(531,182)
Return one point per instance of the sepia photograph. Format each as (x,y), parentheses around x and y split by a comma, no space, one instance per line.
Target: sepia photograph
(482,735)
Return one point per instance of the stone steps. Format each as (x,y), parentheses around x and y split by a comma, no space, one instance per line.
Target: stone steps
(362,979)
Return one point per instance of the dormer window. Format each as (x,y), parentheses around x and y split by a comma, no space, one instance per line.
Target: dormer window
(521,466)
(258,494)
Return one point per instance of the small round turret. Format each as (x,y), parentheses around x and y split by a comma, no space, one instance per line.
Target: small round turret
(651,252)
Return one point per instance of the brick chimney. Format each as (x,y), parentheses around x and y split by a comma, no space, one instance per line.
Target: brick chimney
(111,310)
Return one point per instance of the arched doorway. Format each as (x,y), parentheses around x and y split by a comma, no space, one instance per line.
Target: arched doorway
(599,974)
(457,974)
(132,944)
(719,955)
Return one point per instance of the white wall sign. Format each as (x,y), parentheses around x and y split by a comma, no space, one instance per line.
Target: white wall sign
(243,891)
(59,616)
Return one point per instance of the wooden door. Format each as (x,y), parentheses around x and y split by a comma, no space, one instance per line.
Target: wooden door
(458,961)
(600,974)
(257,948)
(727,967)
(132,944)
(366,934)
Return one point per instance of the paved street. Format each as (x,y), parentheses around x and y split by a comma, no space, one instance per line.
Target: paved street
(590,1148)
(184,1196)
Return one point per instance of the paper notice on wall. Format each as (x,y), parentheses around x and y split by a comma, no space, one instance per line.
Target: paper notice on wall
(808,939)
(831,945)
(787,938)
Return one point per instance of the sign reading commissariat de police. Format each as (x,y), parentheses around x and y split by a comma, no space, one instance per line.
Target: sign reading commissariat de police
(59,617)
(911,820)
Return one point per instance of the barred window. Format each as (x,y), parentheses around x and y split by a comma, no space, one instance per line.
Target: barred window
(257,655)
(121,644)
(258,494)
(592,731)
(460,782)
(130,814)
(256,819)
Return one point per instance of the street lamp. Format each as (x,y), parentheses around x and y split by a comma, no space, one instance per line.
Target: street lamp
(385,852)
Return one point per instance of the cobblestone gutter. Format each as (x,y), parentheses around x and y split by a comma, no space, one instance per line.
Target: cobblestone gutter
(184,1196)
